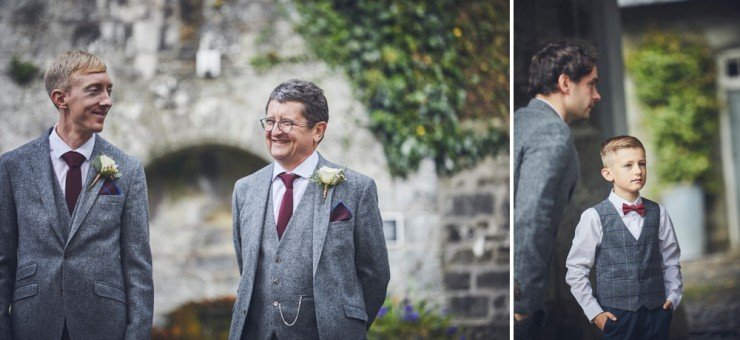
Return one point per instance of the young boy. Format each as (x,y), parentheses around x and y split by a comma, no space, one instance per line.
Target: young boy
(631,243)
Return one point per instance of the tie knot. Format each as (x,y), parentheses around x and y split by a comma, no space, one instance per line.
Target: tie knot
(638,208)
(73,159)
(288,179)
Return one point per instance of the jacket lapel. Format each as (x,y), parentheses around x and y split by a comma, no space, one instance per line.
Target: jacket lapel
(320,217)
(45,180)
(256,204)
(88,195)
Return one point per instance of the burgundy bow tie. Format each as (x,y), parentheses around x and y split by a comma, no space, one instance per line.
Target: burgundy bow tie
(638,208)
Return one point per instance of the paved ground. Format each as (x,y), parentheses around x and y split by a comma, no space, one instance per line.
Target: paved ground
(711,302)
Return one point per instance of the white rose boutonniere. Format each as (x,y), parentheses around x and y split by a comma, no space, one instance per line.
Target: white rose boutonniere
(106,168)
(328,177)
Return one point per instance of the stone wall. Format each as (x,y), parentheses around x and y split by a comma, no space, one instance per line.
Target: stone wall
(476,251)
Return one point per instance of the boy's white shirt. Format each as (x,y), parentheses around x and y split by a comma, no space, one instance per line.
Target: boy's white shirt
(588,237)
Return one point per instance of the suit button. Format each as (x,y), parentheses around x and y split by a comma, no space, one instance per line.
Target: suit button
(66,255)
(275,281)
(278,260)
(275,303)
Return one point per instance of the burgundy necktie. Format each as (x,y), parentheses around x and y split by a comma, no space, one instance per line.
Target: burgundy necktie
(73,185)
(286,205)
(638,208)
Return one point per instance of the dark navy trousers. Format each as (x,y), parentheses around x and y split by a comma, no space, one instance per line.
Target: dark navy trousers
(642,324)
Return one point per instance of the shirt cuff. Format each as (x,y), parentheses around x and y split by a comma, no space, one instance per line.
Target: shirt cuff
(592,310)
(674,301)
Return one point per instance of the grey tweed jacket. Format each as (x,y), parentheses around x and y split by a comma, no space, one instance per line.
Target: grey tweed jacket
(350,259)
(100,278)
(546,170)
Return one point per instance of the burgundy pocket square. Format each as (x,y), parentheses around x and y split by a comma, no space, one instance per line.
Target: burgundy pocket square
(109,188)
(340,213)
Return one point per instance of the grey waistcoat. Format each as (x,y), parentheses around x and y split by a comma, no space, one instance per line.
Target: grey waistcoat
(284,277)
(65,219)
(629,272)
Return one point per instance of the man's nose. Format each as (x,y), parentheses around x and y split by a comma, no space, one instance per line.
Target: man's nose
(106,99)
(597,96)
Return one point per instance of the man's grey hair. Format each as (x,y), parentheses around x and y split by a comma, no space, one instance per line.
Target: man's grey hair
(305,92)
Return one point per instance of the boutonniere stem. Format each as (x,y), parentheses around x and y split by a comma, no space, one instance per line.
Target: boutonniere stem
(328,177)
(106,167)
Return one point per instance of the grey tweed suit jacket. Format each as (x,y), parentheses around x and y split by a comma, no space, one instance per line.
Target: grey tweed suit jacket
(100,278)
(350,259)
(546,170)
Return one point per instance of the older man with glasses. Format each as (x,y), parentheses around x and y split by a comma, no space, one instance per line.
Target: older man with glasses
(308,233)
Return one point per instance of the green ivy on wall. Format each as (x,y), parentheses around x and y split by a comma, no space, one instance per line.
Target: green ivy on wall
(432,74)
(674,78)
(22,72)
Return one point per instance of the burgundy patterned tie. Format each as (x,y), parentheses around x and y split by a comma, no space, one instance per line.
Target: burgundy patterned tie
(73,185)
(286,205)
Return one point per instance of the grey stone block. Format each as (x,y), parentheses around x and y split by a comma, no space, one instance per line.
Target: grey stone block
(457,281)
(493,279)
(469,306)
(472,205)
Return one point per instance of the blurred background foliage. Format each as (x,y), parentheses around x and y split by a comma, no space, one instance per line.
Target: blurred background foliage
(675,79)
(408,320)
(207,319)
(433,75)
(211,319)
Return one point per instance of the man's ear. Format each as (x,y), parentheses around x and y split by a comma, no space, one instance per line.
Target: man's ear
(320,130)
(59,98)
(607,174)
(564,83)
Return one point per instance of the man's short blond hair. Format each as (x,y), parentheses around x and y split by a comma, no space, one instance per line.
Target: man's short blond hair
(69,64)
(614,144)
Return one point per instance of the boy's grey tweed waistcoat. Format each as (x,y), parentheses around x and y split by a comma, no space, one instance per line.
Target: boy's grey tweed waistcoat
(284,277)
(629,272)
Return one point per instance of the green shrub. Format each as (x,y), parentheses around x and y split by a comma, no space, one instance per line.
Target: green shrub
(406,320)
(674,78)
(22,72)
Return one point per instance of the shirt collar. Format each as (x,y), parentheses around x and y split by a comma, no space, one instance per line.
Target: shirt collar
(305,169)
(552,107)
(58,147)
(618,201)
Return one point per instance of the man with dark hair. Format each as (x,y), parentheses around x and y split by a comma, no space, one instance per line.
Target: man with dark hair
(562,81)
(75,261)
(308,233)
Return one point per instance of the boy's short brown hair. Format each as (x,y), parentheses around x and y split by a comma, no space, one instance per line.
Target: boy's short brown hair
(617,143)
(68,64)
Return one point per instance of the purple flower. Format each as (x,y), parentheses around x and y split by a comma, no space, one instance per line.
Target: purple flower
(412,316)
(408,309)
(451,330)
(383,311)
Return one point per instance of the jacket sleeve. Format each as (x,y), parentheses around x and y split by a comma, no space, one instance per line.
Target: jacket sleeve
(237,238)
(8,249)
(136,258)
(371,254)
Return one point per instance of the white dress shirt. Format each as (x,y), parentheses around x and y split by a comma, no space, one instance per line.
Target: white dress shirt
(587,239)
(305,170)
(57,148)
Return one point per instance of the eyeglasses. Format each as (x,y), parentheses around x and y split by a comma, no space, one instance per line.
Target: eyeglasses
(284,125)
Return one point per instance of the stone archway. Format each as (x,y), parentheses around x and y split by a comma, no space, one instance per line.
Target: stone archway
(190,222)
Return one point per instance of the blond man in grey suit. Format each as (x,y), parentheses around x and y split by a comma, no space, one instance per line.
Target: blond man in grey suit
(75,261)
(562,82)
(308,233)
